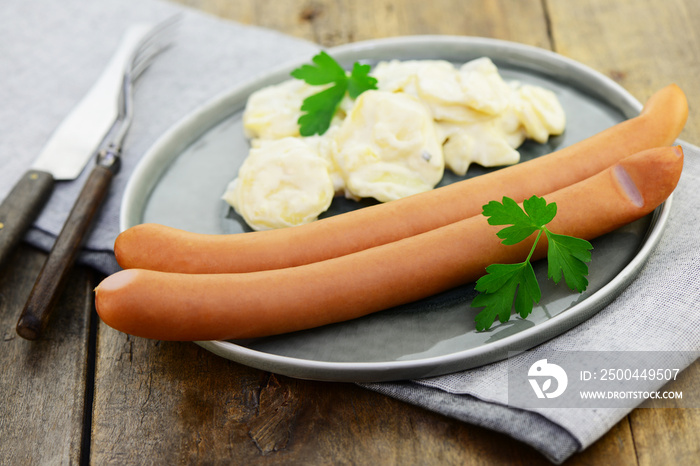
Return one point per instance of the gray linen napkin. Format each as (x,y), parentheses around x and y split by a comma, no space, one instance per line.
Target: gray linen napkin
(53,51)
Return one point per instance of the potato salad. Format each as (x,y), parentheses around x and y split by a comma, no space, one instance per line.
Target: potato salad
(425,116)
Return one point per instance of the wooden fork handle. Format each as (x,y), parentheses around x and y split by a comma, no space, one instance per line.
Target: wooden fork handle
(53,275)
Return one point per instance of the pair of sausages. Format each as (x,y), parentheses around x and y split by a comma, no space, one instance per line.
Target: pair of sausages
(158,247)
(409,255)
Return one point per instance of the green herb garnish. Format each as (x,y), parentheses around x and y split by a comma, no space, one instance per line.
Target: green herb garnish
(319,108)
(508,285)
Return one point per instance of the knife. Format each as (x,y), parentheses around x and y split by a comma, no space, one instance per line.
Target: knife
(68,149)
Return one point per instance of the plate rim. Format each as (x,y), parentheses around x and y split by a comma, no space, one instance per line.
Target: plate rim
(420,367)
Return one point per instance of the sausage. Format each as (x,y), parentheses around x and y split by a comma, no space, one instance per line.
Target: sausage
(177,306)
(157,247)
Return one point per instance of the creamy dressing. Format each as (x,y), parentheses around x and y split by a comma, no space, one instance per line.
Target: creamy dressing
(387,147)
(281,183)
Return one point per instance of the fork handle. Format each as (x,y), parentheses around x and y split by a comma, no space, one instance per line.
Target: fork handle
(52,278)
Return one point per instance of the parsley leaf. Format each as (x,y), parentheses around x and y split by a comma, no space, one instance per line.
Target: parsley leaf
(319,108)
(536,214)
(326,71)
(360,80)
(499,290)
(567,256)
(515,285)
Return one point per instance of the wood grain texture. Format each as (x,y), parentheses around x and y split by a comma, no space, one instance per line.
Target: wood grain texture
(643,45)
(335,22)
(174,403)
(665,432)
(42,383)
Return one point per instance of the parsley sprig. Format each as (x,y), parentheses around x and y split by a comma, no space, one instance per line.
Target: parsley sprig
(319,108)
(508,285)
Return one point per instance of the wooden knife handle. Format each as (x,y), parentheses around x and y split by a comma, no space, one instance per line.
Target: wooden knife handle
(53,275)
(20,208)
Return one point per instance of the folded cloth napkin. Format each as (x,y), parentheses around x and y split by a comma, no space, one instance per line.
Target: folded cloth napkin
(52,53)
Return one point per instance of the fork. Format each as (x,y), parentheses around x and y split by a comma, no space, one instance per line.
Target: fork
(149,48)
(53,275)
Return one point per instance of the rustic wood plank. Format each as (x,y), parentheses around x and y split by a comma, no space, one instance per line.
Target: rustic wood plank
(615,447)
(643,45)
(42,385)
(334,22)
(665,432)
(166,402)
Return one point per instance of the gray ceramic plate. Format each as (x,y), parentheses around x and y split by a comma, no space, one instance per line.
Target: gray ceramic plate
(180,181)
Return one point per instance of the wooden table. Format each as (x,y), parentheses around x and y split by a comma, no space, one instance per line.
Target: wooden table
(88,394)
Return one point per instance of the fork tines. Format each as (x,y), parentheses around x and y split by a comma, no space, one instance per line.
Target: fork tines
(158,39)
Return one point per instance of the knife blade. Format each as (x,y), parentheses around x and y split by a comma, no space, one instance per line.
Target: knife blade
(69,148)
